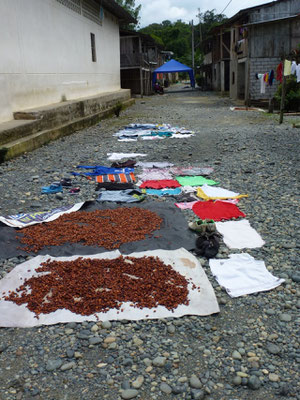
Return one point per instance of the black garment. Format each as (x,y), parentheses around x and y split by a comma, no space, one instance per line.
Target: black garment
(128,164)
(208,245)
(114,186)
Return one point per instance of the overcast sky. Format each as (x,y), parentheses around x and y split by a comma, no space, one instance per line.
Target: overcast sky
(186,10)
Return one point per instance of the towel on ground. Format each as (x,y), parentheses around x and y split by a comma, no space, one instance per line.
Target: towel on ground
(194,181)
(213,193)
(217,210)
(239,234)
(241,274)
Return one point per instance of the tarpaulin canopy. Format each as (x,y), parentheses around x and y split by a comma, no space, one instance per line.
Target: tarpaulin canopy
(174,66)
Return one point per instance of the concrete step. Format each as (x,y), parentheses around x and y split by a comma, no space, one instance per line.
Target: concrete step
(36,127)
(13,130)
(37,139)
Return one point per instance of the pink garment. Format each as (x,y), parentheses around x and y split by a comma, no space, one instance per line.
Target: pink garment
(186,205)
(154,174)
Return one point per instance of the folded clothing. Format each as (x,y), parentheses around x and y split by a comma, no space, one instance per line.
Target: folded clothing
(239,234)
(121,196)
(163,192)
(122,178)
(194,181)
(217,211)
(241,274)
(207,192)
(160,184)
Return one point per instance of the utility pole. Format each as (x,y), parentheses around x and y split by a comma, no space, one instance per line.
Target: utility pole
(193,47)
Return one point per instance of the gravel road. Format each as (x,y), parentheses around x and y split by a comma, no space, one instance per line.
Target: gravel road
(250,350)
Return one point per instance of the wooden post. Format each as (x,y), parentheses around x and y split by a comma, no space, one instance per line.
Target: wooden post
(282,99)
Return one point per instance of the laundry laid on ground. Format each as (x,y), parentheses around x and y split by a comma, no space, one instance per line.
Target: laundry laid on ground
(81,235)
(191,171)
(121,196)
(102,170)
(144,295)
(207,192)
(99,227)
(160,184)
(217,211)
(154,164)
(114,186)
(116,178)
(186,205)
(26,219)
(163,192)
(155,174)
(120,156)
(239,234)
(151,132)
(124,164)
(194,181)
(241,274)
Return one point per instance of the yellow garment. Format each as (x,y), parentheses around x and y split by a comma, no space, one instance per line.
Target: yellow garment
(287,68)
(204,196)
(266,77)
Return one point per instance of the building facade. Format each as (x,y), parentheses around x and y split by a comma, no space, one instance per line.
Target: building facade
(255,40)
(57,50)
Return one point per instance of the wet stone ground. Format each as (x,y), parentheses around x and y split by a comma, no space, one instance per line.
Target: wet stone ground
(250,350)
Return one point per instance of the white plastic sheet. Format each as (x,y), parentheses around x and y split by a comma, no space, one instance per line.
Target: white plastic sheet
(203,303)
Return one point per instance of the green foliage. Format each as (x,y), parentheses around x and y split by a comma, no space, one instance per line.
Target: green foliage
(177,36)
(292,96)
(129,6)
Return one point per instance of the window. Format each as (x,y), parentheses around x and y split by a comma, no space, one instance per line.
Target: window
(93,47)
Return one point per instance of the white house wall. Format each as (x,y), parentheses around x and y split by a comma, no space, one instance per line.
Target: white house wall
(45,55)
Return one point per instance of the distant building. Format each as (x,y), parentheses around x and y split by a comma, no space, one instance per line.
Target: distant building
(259,38)
(57,50)
(140,56)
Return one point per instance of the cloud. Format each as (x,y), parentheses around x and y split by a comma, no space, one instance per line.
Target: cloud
(156,11)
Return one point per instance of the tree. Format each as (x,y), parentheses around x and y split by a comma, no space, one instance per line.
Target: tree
(129,6)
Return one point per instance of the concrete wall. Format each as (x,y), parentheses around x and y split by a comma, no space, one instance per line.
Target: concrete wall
(45,51)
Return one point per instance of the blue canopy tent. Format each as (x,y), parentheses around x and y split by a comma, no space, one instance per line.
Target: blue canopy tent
(173,66)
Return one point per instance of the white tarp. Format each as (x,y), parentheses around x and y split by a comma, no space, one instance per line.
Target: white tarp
(25,219)
(201,303)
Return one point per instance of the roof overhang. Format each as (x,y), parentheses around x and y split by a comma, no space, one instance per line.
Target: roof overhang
(269,21)
(117,10)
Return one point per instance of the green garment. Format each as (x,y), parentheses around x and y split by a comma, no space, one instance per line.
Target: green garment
(194,181)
